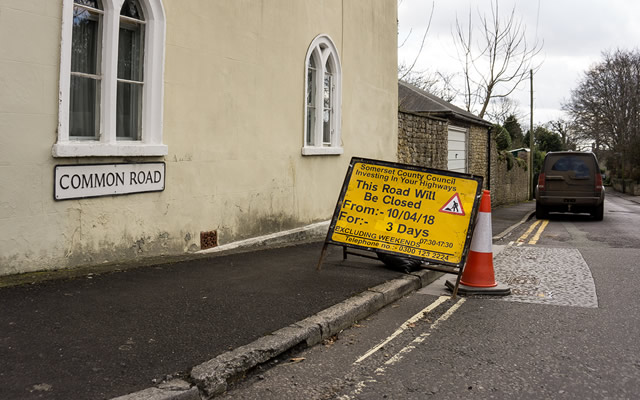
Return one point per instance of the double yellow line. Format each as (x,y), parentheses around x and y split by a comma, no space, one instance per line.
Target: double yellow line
(522,239)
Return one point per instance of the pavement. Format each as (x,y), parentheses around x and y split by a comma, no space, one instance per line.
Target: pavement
(626,196)
(186,328)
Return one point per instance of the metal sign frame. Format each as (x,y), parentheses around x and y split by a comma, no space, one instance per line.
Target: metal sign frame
(427,262)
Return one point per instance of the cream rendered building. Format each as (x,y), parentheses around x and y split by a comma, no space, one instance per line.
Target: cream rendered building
(249,110)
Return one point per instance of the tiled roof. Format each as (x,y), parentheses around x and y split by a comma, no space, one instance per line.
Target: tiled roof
(414,100)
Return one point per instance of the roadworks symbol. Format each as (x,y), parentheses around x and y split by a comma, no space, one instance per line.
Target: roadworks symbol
(453,206)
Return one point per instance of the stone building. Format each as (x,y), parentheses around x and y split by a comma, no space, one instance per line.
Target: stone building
(435,133)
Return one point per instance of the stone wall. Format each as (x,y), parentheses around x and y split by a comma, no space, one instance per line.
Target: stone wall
(509,179)
(628,186)
(477,151)
(422,141)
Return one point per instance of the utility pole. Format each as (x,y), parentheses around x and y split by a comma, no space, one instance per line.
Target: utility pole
(531,141)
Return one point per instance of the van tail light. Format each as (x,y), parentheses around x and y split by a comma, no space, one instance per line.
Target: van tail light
(598,182)
(541,179)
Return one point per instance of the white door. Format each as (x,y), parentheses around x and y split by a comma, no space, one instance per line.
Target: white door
(457,146)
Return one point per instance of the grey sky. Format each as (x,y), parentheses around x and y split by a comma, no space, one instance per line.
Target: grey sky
(574,35)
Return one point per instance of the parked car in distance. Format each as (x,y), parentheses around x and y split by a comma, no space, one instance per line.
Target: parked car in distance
(570,181)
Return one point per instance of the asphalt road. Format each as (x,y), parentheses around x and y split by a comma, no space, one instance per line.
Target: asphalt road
(569,331)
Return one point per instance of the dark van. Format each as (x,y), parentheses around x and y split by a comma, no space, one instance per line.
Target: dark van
(570,181)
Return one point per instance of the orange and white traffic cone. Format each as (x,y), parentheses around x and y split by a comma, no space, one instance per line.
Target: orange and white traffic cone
(478,275)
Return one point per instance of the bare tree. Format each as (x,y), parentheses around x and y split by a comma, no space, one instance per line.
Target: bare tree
(407,70)
(605,107)
(502,108)
(564,129)
(436,83)
(494,65)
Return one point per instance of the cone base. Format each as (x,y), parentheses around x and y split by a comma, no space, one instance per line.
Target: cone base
(498,290)
(489,285)
(479,270)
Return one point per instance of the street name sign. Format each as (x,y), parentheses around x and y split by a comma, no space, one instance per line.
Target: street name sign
(406,210)
(80,181)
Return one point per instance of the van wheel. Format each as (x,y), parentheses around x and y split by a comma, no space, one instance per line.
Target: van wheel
(541,212)
(598,212)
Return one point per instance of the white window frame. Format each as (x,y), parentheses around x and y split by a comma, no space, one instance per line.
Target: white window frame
(150,143)
(323,49)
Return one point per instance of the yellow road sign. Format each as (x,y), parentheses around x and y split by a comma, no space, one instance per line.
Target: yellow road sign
(406,210)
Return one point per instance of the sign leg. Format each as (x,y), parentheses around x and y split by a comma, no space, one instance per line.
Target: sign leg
(455,288)
(322,253)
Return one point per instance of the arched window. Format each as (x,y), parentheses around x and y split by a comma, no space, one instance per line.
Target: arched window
(86,74)
(323,88)
(130,71)
(111,78)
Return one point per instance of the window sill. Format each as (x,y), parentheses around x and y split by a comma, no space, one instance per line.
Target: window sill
(94,149)
(321,151)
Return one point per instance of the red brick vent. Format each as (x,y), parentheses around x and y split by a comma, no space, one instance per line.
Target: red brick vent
(208,239)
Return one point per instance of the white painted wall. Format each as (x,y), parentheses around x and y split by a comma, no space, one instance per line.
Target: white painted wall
(233,126)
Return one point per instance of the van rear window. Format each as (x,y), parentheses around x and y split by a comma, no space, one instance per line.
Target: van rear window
(571,163)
